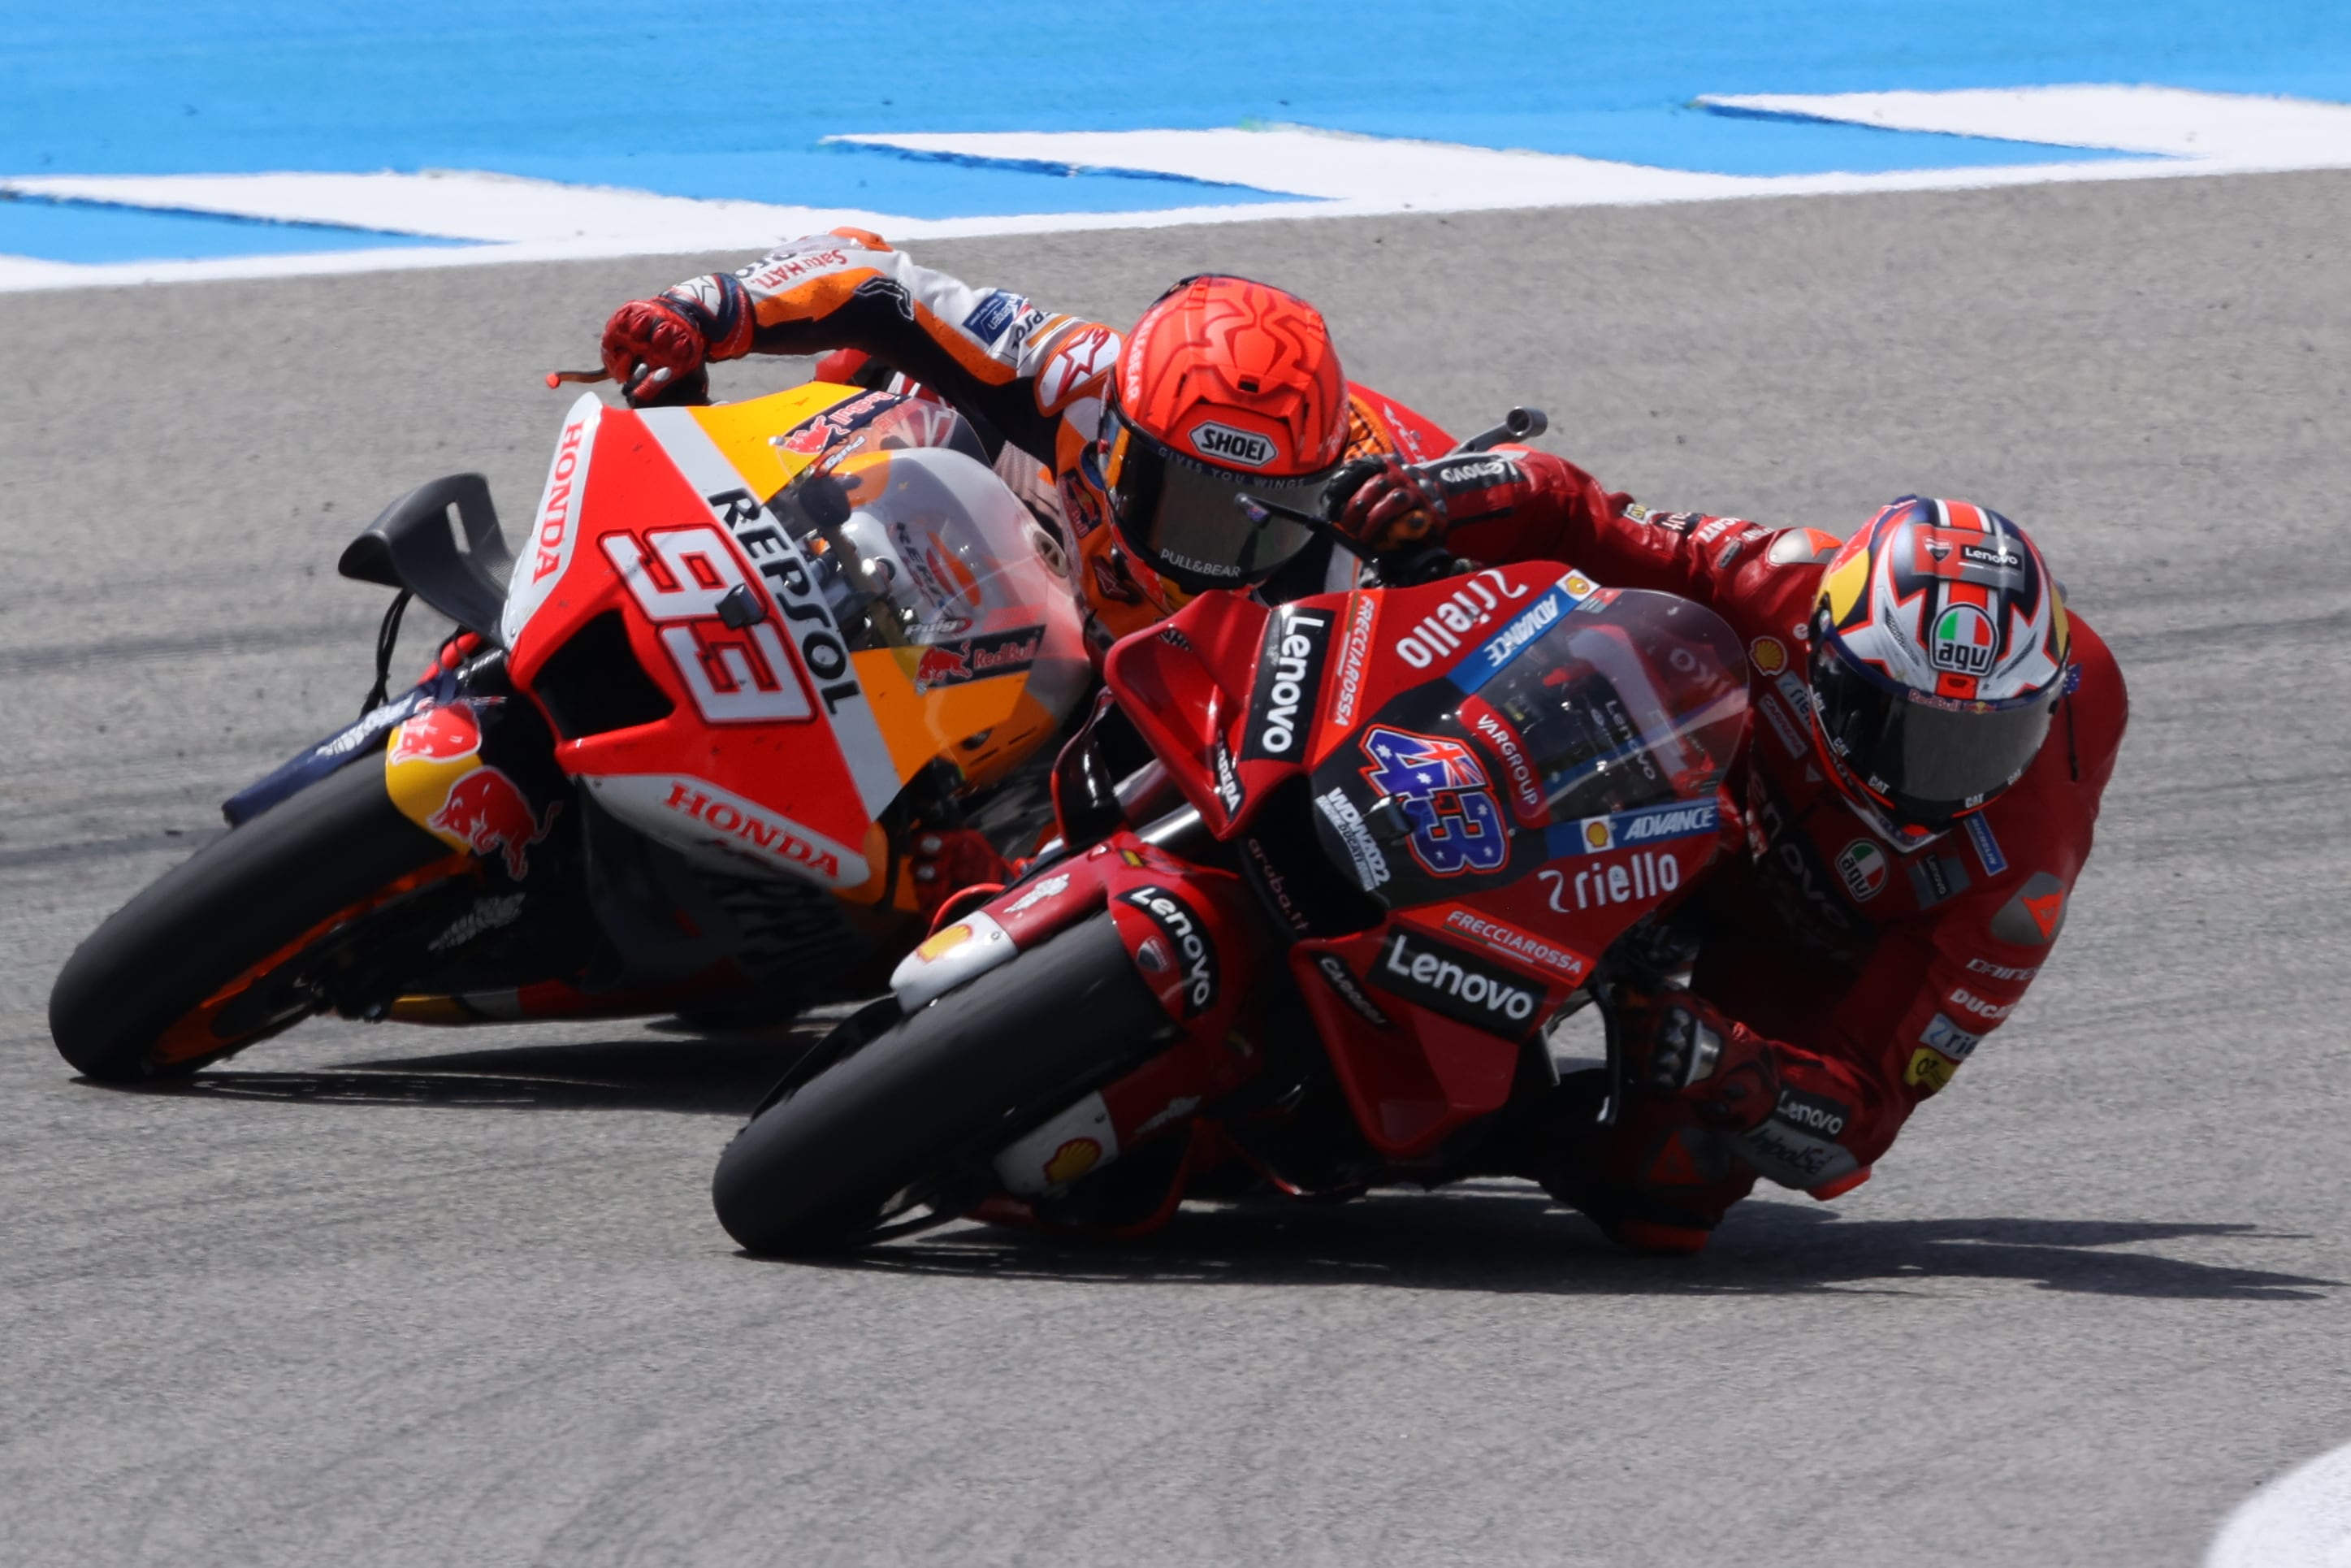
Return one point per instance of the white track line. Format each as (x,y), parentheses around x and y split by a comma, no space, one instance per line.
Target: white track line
(2301,1521)
(1336,174)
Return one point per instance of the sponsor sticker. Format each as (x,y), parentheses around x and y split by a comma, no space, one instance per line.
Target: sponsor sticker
(1443,631)
(1864,868)
(1052,887)
(1363,612)
(1507,940)
(1356,838)
(1195,957)
(1341,979)
(1457,984)
(2036,916)
(1650,825)
(1456,824)
(1501,739)
(1963,642)
(1988,854)
(1928,1070)
(1769,654)
(1948,1038)
(1289,677)
(1234,448)
(994,313)
(1936,878)
(1782,726)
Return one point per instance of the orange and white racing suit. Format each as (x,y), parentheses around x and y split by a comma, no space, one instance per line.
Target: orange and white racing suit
(1029,376)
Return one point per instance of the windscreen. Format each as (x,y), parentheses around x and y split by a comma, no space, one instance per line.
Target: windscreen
(937,554)
(1635,699)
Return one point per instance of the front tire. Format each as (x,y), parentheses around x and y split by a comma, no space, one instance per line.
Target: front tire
(938,1092)
(180,975)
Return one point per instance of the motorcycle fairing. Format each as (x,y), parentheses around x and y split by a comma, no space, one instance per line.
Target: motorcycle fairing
(783,744)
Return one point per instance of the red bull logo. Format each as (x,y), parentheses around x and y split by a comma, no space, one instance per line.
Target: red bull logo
(940,665)
(487,811)
(437,734)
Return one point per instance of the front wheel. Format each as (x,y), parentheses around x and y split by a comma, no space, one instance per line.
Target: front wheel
(929,1100)
(223,949)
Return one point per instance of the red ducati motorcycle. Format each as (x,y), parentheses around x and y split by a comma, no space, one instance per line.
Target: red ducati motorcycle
(1376,842)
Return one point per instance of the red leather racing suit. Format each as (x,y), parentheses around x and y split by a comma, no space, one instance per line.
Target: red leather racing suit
(1870,976)
(1036,376)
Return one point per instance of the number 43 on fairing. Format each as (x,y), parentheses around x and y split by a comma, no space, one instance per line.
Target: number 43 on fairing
(1456,823)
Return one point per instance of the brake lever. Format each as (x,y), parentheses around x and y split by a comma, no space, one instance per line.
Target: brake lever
(1519,425)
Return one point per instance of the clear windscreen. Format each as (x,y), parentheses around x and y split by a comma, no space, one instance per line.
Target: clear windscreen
(937,554)
(1635,699)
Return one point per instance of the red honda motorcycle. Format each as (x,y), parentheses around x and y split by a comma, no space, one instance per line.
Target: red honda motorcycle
(1376,843)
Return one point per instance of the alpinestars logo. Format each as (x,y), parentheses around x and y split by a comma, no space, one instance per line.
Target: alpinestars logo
(1185,934)
(1459,985)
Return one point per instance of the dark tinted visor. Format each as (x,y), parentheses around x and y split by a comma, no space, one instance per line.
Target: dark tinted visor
(1930,757)
(1178,513)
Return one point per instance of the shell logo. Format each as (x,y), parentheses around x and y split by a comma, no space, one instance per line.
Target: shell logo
(1771,656)
(1597,834)
(944,942)
(1072,1160)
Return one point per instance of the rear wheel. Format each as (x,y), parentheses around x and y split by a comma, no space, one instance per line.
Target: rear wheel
(229,947)
(915,1111)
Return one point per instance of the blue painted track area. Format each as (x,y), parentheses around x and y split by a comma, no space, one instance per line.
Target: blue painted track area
(706,101)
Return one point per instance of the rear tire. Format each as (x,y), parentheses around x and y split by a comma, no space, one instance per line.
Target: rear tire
(155,989)
(937,1093)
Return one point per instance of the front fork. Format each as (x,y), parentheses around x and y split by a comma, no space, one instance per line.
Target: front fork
(1195,939)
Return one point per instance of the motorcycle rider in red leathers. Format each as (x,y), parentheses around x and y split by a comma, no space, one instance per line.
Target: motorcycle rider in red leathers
(1933,732)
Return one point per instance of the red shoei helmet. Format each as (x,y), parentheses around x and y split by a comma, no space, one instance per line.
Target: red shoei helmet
(1939,657)
(1225,386)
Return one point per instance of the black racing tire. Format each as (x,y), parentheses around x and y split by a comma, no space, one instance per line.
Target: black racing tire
(937,1091)
(142,996)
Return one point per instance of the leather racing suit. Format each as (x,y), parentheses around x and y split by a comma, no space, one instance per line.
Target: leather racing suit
(1030,377)
(1866,975)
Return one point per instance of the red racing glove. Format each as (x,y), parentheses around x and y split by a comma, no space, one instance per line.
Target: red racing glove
(651,347)
(1389,505)
(1683,1047)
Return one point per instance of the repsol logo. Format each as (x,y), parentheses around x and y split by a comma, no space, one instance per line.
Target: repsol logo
(1182,928)
(1240,449)
(822,653)
(1447,980)
(1289,675)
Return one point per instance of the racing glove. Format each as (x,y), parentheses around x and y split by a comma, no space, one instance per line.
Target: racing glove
(1683,1047)
(657,348)
(1390,505)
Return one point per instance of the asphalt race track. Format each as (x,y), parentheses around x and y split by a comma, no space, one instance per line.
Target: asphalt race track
(369,1295)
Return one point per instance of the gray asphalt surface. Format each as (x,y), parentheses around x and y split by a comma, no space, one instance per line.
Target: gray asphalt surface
(382,1296)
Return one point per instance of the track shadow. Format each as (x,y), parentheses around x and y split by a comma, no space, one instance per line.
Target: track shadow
(1505,1237)
(710,1076)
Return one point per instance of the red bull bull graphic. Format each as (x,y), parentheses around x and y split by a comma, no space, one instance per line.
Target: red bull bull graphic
(486,811)
(438,735)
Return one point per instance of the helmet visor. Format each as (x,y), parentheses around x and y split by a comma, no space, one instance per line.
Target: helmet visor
(1932,759)
(1178,513)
